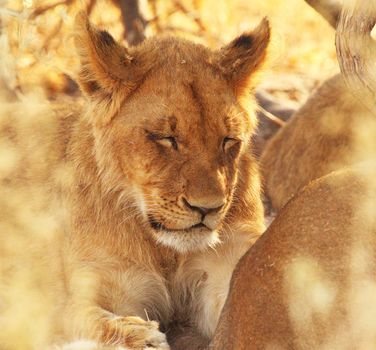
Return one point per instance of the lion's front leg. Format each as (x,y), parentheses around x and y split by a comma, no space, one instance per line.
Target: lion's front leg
(206,278)
(205,284)
(109,309)
(104,327)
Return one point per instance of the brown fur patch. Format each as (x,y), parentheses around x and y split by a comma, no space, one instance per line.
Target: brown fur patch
(324,135)
(117,263)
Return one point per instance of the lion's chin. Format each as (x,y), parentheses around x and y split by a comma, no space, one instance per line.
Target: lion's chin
(188,241)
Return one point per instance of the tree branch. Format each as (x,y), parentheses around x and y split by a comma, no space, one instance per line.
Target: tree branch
(356,49)
(329,9)
(134,22)
(272,114)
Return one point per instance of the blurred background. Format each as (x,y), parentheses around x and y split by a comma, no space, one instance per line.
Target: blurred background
(36,49)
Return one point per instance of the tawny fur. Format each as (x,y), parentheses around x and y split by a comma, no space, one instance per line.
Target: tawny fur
(129,255)
(309,281)
(325,134)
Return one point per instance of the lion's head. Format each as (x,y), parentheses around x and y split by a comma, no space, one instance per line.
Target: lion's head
(171,126)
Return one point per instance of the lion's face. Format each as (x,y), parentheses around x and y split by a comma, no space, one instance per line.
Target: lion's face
(177,136)
(179,144)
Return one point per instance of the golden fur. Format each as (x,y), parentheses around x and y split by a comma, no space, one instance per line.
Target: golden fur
(325,134)
(163,195)
(309,281)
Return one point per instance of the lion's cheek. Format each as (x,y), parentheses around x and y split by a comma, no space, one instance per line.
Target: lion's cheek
(151,176)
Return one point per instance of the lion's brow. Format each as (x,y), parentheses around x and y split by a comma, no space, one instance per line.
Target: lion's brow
(161,123)
(198,99)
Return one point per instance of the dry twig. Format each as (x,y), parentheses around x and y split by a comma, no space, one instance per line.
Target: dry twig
(133,20)
(356,50)
(329,9)
(42,9)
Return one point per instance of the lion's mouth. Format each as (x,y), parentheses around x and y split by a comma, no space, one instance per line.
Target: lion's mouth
(194,238)
(157,226)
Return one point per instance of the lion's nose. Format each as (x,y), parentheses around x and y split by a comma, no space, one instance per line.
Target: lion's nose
(204,208)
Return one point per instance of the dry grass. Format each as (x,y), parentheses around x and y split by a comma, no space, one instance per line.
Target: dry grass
(302,52)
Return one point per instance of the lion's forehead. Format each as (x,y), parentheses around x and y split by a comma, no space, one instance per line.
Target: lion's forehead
(186,106)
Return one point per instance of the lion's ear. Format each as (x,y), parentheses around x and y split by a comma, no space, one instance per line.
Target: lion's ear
(243,56)
(108,71)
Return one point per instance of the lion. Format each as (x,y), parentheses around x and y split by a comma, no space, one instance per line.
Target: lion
(309,280)
(332,130)
(163,192)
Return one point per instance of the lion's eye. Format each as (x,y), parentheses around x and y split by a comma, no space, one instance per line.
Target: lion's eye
(168,141)
(229,142)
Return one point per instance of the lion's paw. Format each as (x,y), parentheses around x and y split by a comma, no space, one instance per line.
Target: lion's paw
(154,339)
(134,333)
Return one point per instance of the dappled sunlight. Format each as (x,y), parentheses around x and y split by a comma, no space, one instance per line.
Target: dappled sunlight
(38,65)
